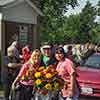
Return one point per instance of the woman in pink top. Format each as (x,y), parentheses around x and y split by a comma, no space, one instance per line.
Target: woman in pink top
(25,77)
(66,70)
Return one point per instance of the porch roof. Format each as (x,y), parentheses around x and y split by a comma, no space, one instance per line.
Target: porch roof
(11,3)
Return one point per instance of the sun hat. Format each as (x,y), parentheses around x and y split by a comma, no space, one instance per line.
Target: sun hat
(46,45)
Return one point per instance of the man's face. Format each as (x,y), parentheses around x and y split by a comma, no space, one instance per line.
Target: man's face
(47,51)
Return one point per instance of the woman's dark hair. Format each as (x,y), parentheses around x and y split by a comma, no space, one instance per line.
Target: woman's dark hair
(60,50)
(69,47)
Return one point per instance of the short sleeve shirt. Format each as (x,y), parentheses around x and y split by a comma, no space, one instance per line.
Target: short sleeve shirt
(27,67)
(65,70)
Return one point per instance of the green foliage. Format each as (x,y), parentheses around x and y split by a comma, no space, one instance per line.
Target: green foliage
(87,18)
(54,18)
(71,27)
(87,23)
(98,8)
(95,34)
(79,28)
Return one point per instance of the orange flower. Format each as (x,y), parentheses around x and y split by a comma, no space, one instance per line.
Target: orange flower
(27,73)
(41,68)
(44,71)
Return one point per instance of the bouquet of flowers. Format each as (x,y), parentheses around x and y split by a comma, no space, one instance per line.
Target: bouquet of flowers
(46,80)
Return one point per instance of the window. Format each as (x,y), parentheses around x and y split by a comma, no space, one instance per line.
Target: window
(23,35)
(93,61)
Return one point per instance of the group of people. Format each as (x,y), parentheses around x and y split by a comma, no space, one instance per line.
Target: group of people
(15,66)
(80,52)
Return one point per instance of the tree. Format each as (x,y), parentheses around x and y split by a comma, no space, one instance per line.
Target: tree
(87,17)
(98,8)
(95,34)
(82,27)
(54,17)
(71,27)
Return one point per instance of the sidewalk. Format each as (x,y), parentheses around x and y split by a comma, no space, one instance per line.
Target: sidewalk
(2,98)
(1,94)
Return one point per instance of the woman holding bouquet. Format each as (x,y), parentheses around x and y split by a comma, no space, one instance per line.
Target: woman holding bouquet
(25,77)
(67,72)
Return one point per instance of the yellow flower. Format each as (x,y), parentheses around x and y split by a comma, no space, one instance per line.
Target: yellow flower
(37,74)
(38,82)
(23,77)
(56,85)
(48,86)
(48,75)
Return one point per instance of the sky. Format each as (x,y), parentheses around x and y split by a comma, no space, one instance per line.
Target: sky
(78,9)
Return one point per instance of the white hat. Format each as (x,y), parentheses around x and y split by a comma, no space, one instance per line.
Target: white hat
(46,46)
